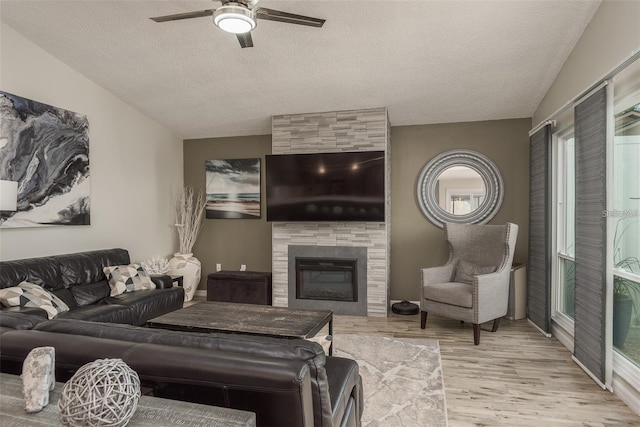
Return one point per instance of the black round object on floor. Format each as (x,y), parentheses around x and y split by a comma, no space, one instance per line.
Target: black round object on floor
(405,307)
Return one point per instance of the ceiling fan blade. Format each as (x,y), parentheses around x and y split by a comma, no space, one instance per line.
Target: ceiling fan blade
(188,15)
(289,18)
(245,40)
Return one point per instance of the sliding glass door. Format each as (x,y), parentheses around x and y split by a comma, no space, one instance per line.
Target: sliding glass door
(626,235)
(605,328)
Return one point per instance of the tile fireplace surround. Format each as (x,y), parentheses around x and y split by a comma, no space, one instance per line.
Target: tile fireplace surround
(354,130)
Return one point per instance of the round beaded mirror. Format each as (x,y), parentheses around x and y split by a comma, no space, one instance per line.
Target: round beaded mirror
(460,186)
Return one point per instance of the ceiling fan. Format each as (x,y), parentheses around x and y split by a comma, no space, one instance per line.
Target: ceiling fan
(239,17)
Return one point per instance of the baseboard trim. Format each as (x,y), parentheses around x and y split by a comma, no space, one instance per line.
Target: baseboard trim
(561,334)
(627,393)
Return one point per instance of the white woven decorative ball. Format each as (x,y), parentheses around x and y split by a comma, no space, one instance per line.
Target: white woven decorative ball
(104,392)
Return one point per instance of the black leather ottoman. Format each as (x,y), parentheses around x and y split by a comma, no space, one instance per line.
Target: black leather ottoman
(247,287)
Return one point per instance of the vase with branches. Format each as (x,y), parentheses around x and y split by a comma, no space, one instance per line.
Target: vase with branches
(189,210)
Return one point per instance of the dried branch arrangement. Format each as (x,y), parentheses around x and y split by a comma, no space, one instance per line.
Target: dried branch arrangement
(189,209)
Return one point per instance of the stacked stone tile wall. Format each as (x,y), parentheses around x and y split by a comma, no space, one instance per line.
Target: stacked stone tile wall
(353,130)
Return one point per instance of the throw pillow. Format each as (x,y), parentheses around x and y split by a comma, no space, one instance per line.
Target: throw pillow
(466,270)
(10,297)
(127,278)
(29,295)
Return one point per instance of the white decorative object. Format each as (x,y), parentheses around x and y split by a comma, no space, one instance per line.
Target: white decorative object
(156,265)
(189,267)
(8,195)
(104,392)
(189,210)
(38,378)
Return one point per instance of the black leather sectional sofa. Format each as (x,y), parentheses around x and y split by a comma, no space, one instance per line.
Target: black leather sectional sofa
(287,383)
(79,281)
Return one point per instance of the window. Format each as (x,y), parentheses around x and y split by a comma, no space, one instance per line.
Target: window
(464,202)
(626,238)
(565,229)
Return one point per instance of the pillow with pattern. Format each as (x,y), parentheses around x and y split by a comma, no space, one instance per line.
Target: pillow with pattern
(127,278)
(29,295)
(466,270)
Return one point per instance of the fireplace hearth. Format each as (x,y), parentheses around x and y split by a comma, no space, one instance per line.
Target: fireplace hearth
(327,279)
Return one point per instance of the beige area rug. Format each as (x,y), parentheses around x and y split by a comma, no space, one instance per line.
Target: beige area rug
(402,379)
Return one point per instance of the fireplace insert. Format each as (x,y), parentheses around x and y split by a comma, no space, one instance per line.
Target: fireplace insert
(327,279)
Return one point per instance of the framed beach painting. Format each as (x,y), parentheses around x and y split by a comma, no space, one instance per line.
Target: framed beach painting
(233,188)
(44,152)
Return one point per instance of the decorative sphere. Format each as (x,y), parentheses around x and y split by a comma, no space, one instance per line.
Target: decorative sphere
(104,392)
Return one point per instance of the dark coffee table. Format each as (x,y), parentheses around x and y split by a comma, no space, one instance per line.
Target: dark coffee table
(211,316)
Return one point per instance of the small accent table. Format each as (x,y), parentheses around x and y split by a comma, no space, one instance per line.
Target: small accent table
(151,411)
(164,281)
(177,279)
(211,316)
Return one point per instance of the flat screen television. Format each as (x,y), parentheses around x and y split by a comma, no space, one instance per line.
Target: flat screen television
(344,186)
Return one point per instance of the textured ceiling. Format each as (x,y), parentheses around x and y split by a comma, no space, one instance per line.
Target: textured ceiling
(427,61)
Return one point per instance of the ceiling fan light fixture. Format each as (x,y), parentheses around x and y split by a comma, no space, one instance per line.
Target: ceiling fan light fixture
(234,18)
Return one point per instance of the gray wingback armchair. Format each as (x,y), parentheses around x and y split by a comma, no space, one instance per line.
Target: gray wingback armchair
(473,286)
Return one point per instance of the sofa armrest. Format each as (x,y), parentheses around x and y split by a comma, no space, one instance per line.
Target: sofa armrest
(440,274)
(492,293)
(345,386)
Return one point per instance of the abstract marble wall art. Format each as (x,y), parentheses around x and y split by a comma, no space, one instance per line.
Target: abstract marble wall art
(233,188)
(46,150)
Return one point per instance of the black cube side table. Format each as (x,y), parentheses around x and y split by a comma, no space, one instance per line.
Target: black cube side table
(247,287)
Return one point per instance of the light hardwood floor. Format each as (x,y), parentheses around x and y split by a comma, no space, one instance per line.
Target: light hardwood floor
(515,377)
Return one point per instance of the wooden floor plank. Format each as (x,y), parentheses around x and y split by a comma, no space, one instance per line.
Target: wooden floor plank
(515,377)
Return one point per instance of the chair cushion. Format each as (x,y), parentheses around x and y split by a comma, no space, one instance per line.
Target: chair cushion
(19,320)
(90,293)
(453,293)
(466,270)
(149,303)
(110,313)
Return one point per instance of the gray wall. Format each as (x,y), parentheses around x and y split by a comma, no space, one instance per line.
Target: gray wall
(230,242)
(415,242)
(136,163)
(609,39)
